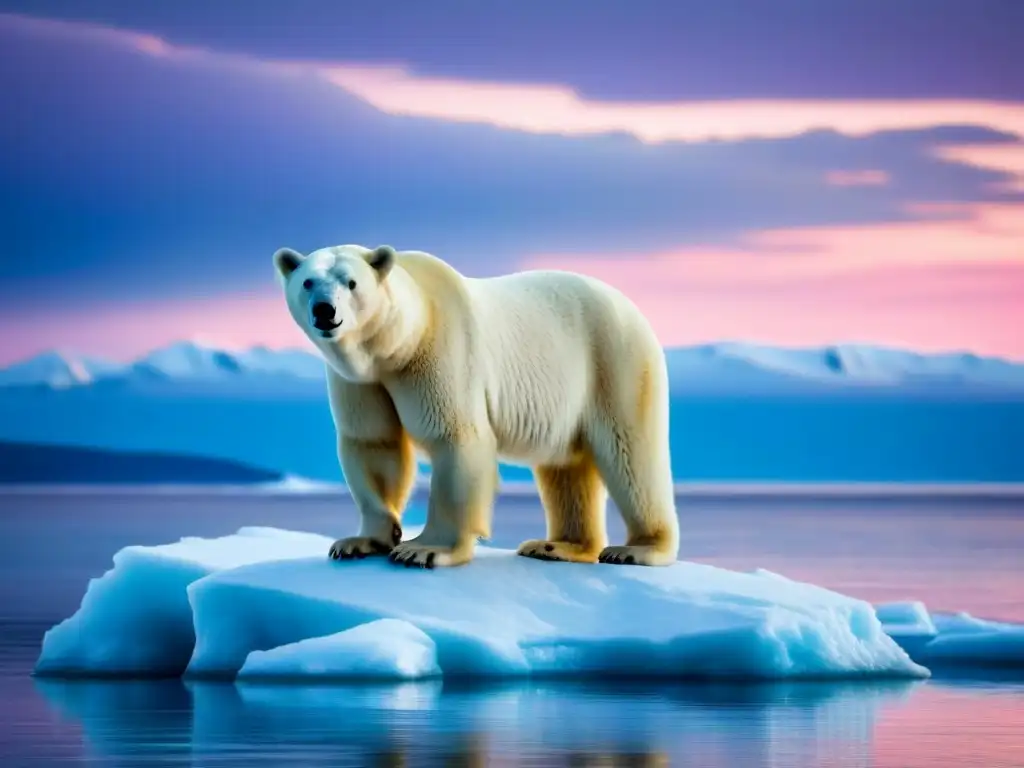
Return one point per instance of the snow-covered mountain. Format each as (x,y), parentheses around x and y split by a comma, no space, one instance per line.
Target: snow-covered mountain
(739,412)
(184,362)
(58,370)
(727,367)
(195,361)
(732,365)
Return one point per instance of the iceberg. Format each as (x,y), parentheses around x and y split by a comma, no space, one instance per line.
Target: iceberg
(907,620)
(952,640)
(267,603)
(508,616)
(135,620)
(387,649)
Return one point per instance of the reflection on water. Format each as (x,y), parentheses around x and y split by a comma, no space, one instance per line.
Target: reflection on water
(435,723)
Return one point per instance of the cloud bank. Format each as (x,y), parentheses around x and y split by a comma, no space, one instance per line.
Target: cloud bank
(138,173)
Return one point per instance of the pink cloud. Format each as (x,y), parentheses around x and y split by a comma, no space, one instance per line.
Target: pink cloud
(871,178)
(953,280)
(558,109)
(554,108)
(1005,158)
(931,285)
(123,331)
(153,45)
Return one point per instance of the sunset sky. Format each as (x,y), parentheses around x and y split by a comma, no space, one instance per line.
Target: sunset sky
(796,172)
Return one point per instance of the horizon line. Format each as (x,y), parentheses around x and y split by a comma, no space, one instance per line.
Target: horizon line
(201,343)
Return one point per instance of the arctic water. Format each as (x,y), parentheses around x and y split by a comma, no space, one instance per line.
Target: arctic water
(952,553)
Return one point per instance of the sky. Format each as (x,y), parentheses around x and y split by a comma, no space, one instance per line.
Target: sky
(796,173)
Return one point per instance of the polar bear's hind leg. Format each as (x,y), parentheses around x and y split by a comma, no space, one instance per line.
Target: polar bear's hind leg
(574,501)
(641,486)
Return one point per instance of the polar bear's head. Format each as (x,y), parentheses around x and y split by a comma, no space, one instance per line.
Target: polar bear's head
(334,292)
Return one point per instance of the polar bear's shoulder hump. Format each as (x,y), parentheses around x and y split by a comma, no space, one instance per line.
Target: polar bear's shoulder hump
(432,275)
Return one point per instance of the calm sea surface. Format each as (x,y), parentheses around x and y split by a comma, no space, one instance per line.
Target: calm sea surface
(954,554)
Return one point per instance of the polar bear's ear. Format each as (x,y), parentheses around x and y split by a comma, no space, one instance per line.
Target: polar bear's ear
(382,259)
(287,260)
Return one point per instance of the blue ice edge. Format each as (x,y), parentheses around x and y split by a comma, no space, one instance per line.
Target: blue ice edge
(265,603)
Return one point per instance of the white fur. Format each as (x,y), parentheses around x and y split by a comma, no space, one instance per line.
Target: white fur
(547,369)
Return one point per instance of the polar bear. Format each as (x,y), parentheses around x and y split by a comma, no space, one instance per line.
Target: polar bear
(547,369)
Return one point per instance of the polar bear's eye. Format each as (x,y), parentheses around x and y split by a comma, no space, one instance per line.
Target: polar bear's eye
(351,285)
(307,283)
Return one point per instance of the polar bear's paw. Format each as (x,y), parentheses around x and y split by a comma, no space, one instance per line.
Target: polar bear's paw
(566,551)
(357,547)
(635,555)
(413,555)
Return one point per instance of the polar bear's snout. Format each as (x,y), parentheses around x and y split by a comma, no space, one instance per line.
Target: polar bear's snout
(323,314)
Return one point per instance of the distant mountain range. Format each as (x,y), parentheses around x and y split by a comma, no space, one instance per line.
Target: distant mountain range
(718,367)
(182,361)
(737,366)
(739,412)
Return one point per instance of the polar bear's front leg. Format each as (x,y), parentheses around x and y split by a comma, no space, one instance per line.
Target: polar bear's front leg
(380,475)
(463,481)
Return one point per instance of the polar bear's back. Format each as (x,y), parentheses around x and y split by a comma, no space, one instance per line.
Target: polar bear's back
(566,306)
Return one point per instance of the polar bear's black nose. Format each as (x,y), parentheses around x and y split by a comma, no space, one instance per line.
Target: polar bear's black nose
(323,311)
(323,316)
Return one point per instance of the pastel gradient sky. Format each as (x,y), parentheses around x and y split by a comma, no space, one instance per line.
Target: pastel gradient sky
(794,173)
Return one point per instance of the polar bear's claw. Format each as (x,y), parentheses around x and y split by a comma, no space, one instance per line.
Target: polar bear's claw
(564,551)
(635,555)
(413,555)
(357,547)
(412,558)
(616,558)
